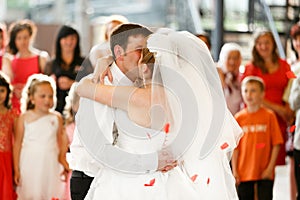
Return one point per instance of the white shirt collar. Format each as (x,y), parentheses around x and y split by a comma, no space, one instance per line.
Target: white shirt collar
(119,78)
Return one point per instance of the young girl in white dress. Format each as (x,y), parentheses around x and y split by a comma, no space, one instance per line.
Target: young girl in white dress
(39,152)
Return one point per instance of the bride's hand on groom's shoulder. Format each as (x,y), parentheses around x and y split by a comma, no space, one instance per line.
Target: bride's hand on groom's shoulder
(106,73)
(85,87)
(102,69)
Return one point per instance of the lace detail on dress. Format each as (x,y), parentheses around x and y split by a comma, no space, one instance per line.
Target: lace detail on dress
(6,130)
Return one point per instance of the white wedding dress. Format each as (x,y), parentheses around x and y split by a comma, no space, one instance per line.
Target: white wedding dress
(111,184)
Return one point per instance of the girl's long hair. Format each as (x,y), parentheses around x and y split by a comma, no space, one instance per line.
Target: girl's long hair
(63,32)
(4,81)
(4,37)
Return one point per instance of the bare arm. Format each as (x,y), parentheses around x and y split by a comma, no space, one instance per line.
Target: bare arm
(294,98)
(102,69)
(6,65)
(18,139)
(43,59)
(234,162)
(269,171)
(63,145)
(135,101)
(115,96)
(284,111)
(221,76)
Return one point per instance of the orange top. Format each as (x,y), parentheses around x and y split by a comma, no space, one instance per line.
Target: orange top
(261,133)
(275,82)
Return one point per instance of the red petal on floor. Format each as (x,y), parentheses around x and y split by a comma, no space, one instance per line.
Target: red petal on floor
(208,180)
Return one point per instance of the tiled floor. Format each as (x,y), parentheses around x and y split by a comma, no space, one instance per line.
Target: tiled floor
(282,185)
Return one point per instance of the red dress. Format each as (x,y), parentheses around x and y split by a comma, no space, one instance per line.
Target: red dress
(275,84)
(22,68)
(6,167)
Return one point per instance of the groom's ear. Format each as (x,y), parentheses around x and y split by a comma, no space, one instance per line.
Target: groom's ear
(145,68)
(119,52)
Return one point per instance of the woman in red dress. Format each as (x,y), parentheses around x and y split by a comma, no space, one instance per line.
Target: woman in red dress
(22,60)
(272,69)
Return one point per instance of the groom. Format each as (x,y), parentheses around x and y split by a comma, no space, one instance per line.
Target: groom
(126,43)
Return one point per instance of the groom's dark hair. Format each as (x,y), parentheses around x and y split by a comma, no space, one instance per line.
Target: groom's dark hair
(120,35)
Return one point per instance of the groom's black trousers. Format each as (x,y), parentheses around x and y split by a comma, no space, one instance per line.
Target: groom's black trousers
(80,184)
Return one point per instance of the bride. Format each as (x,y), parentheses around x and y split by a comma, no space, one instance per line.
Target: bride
(177,114)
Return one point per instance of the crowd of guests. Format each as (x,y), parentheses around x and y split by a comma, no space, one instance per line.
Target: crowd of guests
(264,99)
(263,83)
(33,91)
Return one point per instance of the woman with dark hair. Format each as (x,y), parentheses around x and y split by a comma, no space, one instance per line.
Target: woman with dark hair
(22,60)
(66,64)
